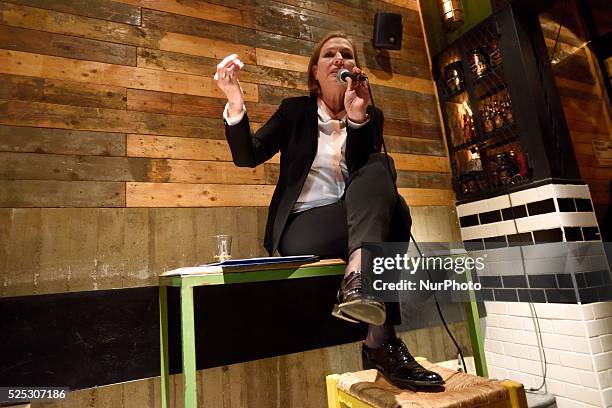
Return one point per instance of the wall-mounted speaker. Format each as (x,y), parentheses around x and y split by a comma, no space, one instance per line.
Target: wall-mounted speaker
(387,31)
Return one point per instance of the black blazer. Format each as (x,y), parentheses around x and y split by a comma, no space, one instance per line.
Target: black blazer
(293,130)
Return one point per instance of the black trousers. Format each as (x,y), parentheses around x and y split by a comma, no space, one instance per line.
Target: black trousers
(364,214)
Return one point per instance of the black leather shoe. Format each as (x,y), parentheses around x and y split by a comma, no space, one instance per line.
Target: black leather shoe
(396,364)
(356,306)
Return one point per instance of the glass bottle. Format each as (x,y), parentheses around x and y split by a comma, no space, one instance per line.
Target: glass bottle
(508,116)
(498,120)
(488,122)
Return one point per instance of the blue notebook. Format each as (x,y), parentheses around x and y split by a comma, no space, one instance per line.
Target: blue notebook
(267,260)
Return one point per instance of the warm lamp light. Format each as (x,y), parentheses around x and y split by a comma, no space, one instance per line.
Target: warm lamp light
(452,14)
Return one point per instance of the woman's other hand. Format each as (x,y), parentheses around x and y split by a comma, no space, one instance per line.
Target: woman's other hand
(356,99)
(227,80)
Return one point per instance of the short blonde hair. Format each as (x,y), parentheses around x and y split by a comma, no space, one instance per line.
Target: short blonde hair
(313,84)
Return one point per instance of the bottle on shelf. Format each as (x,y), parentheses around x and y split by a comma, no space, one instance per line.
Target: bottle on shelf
(468,127)
(495,57)
(521,161)
(487,121)
(508,117)
(498,120)
(472,128)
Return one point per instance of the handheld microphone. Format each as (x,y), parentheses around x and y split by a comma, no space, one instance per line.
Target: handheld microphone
(345,73)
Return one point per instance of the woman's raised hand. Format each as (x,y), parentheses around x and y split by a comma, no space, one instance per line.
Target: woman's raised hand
(356,99)
(227,80)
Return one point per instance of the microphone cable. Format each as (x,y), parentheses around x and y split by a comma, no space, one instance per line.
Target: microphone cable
(412,236)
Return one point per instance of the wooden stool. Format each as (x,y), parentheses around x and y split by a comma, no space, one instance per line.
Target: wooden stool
(368,389)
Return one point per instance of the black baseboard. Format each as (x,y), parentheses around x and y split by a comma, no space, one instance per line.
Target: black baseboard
(85,339)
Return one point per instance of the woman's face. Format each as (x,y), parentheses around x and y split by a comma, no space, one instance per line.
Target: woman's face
(336,53)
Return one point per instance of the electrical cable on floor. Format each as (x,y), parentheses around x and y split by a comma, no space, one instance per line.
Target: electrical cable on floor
(536,327)
(413,240)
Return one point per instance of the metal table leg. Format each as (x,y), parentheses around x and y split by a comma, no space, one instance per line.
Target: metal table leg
(189,350)
(163,347)
(473,320)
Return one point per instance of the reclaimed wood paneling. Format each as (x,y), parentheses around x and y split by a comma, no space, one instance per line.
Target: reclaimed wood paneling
(59,141)
(101,9)
(19,113)
(194,8)
(61,92)
(189,44)
(177,148)
(40,42)
(36,193)
(225,195)
(197,195)
(37,65)
(70,24)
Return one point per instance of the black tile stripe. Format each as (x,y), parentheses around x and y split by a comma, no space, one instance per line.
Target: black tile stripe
(566,204)
(543,281)
(551,288)
(490,281)
(604,293)
(583,205)
(524,238)
(531,295)
(468,220)
(495,242)
(505,295)
(594,278)
(564,280)
(490,217)
(473,244)
(548,235)
(514,281)
(541,207)
(591,233)
(573,234)
(561,296)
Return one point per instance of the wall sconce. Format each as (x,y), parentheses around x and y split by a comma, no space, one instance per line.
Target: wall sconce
(451,12)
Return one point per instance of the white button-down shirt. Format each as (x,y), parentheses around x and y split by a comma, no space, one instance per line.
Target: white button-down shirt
(326,179)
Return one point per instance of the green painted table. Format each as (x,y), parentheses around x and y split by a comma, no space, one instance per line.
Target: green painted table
(186,283)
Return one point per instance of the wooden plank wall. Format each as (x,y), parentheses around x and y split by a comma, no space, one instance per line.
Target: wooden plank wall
(110,122)
(583,98)
(109,114)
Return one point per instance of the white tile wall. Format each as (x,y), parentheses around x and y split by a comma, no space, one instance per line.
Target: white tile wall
(605,378)
(546,191)
(607,395)
(471,208)
(602,361)
(579,367)
(571,191)
(497,203)
(530,367)
(586,395)
(602,309)
(556,387)
(569,327)
(576,360)
(538,222)
(599,327)
(524,197)
(606,342)
(568,403)
(576,219)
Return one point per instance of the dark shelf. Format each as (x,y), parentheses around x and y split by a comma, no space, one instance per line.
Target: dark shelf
(492,72)
(453,96)
(487,141)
